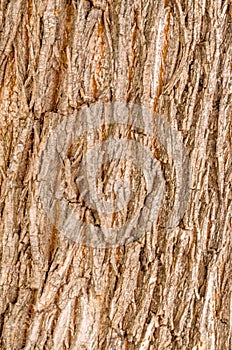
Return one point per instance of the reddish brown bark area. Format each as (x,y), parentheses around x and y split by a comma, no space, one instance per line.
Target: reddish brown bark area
(168,289)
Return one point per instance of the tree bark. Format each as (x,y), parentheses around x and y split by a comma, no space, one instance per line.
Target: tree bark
(169,287)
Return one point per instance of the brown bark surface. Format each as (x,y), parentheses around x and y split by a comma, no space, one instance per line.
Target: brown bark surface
(169,289)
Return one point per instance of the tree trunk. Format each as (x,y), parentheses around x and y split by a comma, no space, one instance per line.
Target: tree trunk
(115,159)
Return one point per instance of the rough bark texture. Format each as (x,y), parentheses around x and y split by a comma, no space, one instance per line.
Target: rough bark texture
(164,291)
